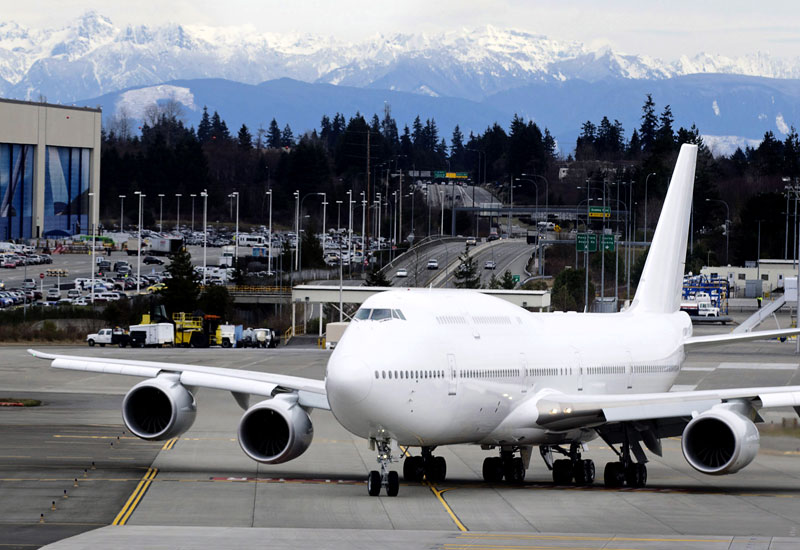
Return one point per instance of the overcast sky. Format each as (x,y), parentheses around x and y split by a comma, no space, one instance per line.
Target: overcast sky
(666,29)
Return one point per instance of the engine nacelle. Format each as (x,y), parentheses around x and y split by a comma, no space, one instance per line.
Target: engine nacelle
(720,441)
(159,408)
(276,430)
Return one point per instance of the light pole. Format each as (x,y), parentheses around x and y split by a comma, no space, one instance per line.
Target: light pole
(350,230)
(139,248)
(204,194)
(160,212)
(299,242)
(727,230)
(235,242)
(269,257)
(546,194)
(296,228)
(324,216)
(91,216)
(193,195)
(441,224)
(178,218)
(645,203)
(537,196)
(363,227)
(121,210)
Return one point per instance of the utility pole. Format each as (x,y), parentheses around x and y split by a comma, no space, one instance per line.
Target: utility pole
(366,225)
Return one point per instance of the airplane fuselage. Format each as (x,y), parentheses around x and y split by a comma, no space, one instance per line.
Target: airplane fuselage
(450,366)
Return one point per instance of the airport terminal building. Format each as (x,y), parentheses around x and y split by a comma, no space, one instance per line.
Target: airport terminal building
(49,165)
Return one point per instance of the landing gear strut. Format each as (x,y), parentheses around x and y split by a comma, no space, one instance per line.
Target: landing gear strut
(384,478)
(506,466)
(573,469)
(626,471)
(429,467)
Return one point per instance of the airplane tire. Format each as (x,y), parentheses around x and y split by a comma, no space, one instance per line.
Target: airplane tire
(614,475)
(562,471)
(492,469)
(412,467)
(584,472)
(440,465)
(636,475)
(393,484)
(374,483)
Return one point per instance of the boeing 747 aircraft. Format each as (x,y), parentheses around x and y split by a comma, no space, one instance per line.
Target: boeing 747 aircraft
(475,369)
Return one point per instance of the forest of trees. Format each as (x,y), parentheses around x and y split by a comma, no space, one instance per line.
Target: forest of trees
(168,155)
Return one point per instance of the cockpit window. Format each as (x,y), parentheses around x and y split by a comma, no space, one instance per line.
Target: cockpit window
(363,314)
(379,314)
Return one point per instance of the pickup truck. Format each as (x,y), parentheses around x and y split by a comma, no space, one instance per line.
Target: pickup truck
(115,336)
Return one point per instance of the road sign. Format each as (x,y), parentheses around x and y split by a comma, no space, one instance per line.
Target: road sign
(586,240)
(608,243)
(41,275)
(599,211)
(441,174)
(515,278)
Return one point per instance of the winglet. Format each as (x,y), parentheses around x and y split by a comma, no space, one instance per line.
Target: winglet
(662,277)
(41,355)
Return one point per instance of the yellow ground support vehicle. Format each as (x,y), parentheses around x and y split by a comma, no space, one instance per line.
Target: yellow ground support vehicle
(202,331)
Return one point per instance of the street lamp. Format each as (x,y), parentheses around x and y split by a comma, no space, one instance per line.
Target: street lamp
(296,229)
(204,194)
(441,224)
(178,218)
(160,212)
(727,229)
(139,248)
(645,204)
(299,242)
(236,242)
(269,257)
(121,210)
(91,214)
(537,197)
(546,193)
(193,195)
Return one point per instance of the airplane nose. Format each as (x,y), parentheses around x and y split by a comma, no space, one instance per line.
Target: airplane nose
(349,380)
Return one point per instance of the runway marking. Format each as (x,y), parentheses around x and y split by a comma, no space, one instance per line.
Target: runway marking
(440,498)
(136,496)
(586,538)
(169,444)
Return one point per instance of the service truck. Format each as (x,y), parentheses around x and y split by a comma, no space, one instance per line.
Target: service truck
(156,246)
(153,335)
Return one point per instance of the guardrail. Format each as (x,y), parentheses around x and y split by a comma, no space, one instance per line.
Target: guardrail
(250,290)
(296,330)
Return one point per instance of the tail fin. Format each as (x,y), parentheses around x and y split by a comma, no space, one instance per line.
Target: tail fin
(662,278)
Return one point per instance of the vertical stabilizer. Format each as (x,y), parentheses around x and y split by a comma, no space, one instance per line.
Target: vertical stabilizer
(660,286)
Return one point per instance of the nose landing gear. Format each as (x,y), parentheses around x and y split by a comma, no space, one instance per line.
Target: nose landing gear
(385,478)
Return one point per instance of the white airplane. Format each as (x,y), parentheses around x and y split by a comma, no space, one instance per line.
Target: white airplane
(425,368)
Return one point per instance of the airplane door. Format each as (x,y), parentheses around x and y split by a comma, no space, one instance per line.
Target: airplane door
(451,374)
(523,366)
(629,369)
(577,368)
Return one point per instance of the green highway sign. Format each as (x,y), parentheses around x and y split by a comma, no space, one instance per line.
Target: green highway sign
(515,278)
(441,174)
(599,212)
(586,242)
(608,243)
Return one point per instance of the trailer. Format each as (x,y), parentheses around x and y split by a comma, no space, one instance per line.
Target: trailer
(157,335)
(155,246)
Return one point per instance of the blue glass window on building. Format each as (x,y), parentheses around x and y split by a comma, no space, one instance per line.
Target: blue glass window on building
(16,191)
(66,191)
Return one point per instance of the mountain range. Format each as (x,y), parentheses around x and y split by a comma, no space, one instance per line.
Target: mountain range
(472,77)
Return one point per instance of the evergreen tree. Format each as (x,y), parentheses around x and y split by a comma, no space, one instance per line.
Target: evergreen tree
(665,135)
(634,145)
(506,281)
(245,139)
(325,131)
(219,130)
(376,277)
(183,286)
(416,134)
(647,131)
(389,128)
(549,145)
(287,138)
(568,290)
(204,128)
(274,135)
(466,275)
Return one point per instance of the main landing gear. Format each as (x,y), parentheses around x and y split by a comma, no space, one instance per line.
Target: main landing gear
(385,478)
(626,471)
(506,466)
(428,467)
(567,471)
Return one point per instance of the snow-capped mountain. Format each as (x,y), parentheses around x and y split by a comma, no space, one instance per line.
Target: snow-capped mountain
(91,56)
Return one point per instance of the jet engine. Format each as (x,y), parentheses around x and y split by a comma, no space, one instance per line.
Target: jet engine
(276,430)
(720,441)
(159,408)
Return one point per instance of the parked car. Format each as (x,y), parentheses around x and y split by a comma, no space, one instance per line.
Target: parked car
(53,294)
(29,284)
(153,260)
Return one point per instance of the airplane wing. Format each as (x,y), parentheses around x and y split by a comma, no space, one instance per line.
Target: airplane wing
(311,393)
(694,342)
